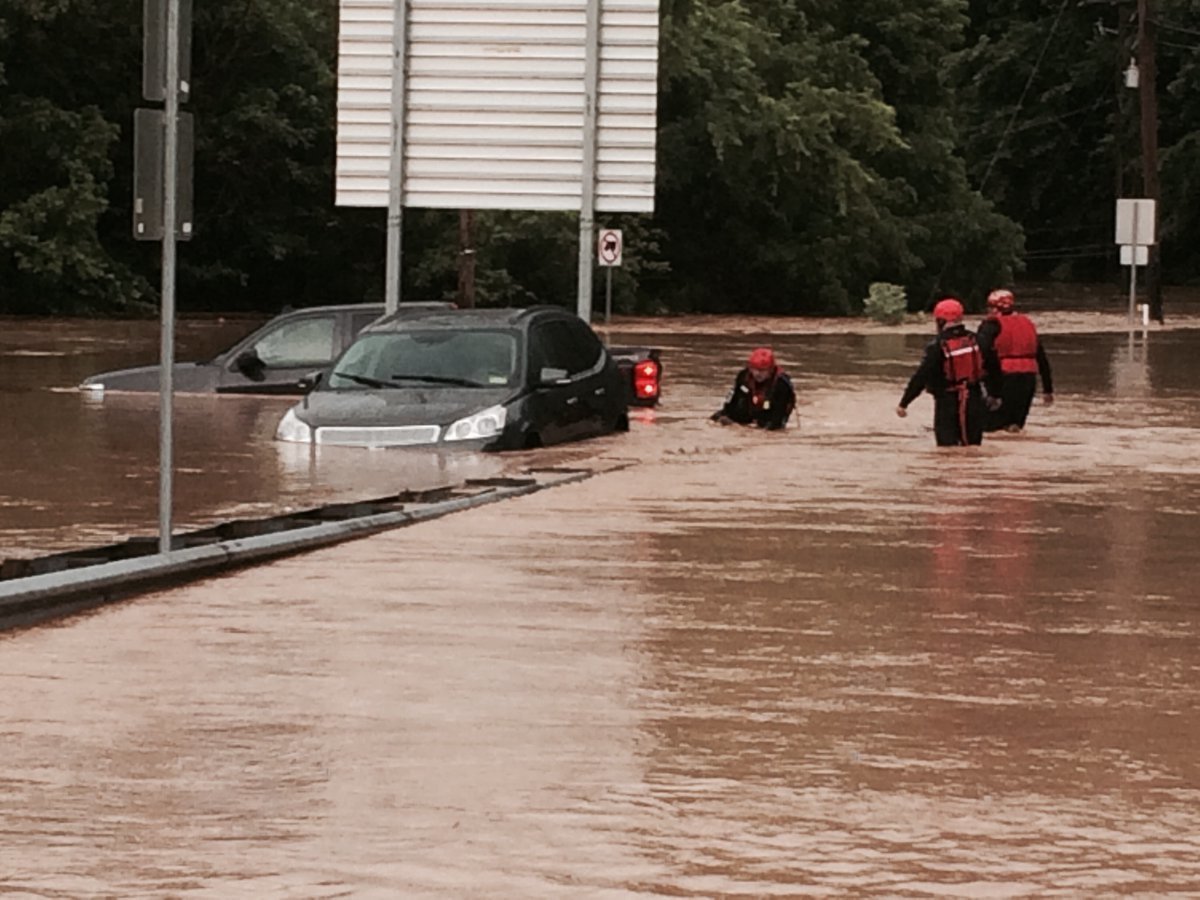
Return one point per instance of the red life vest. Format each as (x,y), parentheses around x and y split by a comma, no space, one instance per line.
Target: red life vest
(760,392)
(962,362)
(1017,344)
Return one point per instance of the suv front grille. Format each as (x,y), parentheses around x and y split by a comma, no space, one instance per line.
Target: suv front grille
(382,436)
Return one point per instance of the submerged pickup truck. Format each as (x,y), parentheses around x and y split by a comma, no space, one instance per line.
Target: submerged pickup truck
(281,356)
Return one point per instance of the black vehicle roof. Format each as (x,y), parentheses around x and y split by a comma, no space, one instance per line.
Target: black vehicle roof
(405,319)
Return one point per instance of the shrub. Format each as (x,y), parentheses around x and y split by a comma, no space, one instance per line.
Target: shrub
(886,303)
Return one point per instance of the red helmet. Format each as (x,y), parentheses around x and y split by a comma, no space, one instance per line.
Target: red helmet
(1001,301)
(762,358)
(949,311)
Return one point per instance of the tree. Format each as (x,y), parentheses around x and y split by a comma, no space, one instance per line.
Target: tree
(56,169)
(263,95)
(1048,138)
(807,150)
(1054,130)
(1179,136)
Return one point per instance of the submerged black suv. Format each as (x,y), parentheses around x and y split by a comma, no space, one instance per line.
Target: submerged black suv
(493,379)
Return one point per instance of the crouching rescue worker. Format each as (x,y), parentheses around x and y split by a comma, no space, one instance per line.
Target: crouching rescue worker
(762,394)
(1022,360)
(953,370)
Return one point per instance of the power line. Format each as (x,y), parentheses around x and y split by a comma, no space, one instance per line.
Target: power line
(1021,101)
(1169,26)
(1038,255)
(1050,257)
(1071,247)
(1055,117)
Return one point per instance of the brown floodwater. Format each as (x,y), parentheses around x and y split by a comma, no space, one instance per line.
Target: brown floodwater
(831,661)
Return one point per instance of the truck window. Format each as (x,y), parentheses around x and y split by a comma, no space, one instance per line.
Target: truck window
(301,342)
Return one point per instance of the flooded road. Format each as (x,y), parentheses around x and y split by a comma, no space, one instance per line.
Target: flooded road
(832,661)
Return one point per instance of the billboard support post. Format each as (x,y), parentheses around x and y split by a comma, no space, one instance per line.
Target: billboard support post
(587,206)
(395,216)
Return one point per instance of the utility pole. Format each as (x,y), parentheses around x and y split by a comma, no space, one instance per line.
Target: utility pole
(466,258)
(1148,97)
(1121,143)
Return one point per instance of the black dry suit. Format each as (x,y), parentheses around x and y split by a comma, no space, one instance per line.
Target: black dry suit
(953,371)
(767,404)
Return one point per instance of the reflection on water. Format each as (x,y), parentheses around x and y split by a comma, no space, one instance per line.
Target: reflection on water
(1131,369)
(830,661)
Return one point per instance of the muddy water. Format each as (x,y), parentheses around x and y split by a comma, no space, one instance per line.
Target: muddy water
(834,661)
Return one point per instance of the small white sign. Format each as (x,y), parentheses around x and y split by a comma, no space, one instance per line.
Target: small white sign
(1135,222)
(1143,255)
(609,246)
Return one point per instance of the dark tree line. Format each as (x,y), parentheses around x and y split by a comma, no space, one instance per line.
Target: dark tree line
(806,149)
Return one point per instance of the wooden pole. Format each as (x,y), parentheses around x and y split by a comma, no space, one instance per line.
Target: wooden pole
(466,258)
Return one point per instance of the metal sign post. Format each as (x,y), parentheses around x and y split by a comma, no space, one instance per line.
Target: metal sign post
(1135,236)
(609,249)
(1133,266)
(162,203)
(608,295)
(166,387)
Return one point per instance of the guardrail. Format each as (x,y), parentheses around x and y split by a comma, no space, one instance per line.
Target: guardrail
(83,579)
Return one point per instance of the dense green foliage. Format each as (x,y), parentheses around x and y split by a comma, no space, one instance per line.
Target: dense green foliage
(1052,131)
(806,150)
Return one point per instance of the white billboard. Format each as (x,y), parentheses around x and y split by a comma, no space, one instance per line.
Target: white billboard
(494,104)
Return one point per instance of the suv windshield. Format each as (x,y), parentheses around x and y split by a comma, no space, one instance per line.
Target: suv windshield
(478,358)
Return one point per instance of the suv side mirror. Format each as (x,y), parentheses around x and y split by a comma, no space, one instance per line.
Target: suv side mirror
(250,364)
(550,375)
(310,381)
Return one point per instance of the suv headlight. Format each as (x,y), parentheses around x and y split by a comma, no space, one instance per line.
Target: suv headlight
(292,429)
(483,424)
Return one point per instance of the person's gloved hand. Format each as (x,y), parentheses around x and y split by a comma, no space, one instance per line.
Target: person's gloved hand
(901,411)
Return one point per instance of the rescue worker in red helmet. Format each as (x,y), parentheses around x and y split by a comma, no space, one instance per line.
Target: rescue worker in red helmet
(954,370)
(1022,361)
(762,394)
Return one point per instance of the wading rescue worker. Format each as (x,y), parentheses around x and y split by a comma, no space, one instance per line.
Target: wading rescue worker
(953,370)
(762,394)
(1022,360)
